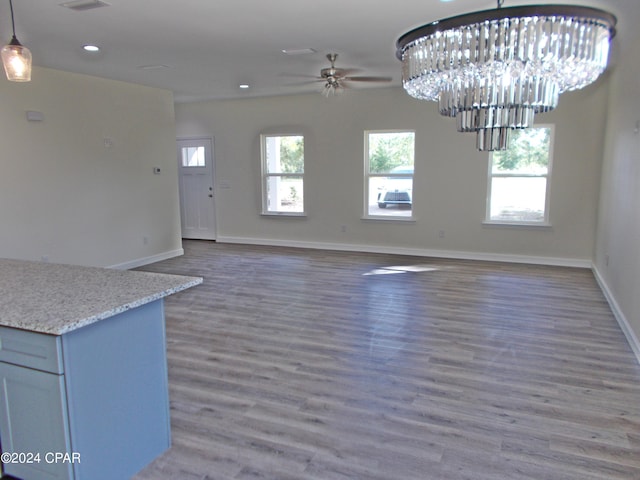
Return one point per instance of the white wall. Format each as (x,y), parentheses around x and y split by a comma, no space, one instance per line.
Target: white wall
(450,179)
(64,195)
(617,259)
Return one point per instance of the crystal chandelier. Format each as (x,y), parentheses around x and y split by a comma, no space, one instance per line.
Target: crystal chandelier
(494,70)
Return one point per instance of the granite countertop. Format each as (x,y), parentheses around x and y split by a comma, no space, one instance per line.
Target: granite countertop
(56,299)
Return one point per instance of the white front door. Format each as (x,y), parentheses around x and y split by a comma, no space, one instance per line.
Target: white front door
(197,200)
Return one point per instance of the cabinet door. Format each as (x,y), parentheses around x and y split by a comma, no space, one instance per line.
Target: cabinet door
(33,419)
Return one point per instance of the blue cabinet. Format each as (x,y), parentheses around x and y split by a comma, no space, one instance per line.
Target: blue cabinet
(33,401)
(98,394)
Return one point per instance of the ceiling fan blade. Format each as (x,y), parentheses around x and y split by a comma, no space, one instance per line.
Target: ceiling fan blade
(297,75)
(346,72)
(368,79)
(306,82)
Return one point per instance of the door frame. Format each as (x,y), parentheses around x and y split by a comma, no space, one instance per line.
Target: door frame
(213,177)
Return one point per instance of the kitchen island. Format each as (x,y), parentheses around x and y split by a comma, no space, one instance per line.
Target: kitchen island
(83,370)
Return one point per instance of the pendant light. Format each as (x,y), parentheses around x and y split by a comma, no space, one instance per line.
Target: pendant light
(15,57)
(493,70)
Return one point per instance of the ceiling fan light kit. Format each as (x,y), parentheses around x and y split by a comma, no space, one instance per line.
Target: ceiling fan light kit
(332,76)
(336,79)
(493,70)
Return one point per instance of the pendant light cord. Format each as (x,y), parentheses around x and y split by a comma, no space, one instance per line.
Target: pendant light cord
(13,24)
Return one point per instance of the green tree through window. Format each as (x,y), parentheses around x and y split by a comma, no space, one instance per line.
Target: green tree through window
(528,151)
(390,150)
(292,154)
(519,178)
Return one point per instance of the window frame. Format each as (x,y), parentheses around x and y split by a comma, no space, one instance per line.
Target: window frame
(266,175)
(545,222)
(368,175)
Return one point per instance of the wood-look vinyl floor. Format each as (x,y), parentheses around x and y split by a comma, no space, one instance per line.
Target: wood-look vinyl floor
(307,364)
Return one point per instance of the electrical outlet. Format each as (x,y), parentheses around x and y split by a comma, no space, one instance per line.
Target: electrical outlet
(441,234)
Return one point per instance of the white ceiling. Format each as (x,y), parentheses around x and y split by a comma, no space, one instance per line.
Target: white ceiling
(203,49)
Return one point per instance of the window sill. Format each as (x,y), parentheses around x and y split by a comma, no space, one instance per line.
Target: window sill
(493,223)
(389,219)
(284,214)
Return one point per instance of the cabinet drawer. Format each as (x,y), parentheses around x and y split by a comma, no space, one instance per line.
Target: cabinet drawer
(29,349)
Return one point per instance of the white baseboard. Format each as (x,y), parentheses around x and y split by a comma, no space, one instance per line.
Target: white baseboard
(620,317)
(418,252)
(139,262)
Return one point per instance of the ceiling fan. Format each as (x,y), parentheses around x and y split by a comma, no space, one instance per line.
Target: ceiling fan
(336,79)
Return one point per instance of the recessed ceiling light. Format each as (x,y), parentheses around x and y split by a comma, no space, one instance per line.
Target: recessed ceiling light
(243,86)
(91,48)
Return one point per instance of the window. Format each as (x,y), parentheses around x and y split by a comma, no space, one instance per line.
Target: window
(282,174)
(388,188)
(193,157)
(518,189)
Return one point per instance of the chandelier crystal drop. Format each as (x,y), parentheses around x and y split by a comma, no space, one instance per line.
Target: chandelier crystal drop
(494,70)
